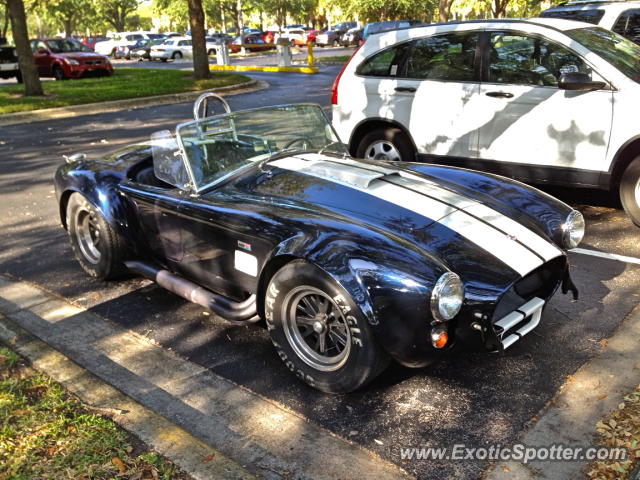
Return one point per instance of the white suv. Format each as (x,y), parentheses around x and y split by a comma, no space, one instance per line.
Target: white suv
(541,100)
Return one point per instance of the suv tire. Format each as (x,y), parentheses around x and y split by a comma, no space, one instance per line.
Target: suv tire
(386,144)
(630,191)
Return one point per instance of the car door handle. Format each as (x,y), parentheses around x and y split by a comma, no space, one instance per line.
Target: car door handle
(405,89)
(499,94)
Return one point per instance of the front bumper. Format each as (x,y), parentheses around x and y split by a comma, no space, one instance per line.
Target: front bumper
(77,71)
(8,70)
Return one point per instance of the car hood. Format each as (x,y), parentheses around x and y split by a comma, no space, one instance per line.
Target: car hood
(81,55)
(478,238)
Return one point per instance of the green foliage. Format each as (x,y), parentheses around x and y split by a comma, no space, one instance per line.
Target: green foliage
(125,83)
(375,10)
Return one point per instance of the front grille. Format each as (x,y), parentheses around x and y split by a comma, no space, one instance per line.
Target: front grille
(93,62)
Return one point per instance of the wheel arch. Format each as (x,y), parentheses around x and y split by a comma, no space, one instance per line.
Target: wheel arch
(372,123)
(624,156)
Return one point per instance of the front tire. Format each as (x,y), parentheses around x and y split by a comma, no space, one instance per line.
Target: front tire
(176,56)
(390,144)
(100,250)
(58,73)
(630,191)
(319,332)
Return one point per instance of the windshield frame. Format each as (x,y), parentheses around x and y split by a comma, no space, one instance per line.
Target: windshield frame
(53,41)
(193,186)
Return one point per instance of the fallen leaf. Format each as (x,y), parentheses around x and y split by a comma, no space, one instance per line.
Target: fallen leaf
(209,457)
(378,441)
(602,396)
(603,343)
(72,429)
(118,464)
(51,451)
(19,412)
(505,468)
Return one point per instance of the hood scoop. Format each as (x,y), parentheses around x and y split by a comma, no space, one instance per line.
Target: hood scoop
(343,171)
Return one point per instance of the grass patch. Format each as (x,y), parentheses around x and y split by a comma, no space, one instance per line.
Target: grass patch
(47,434)
(333,58)
(124,83)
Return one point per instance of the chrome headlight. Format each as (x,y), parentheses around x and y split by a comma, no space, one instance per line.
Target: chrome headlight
(71,61)
(573,229)
(447,297)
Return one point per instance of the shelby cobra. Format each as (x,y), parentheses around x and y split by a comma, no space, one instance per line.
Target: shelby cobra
(261,214)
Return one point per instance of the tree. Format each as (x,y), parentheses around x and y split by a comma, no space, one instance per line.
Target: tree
(32,85)
(115,12)
(66,13)
(444,9)
(196,22)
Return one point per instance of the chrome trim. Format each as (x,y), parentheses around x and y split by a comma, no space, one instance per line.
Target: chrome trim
(532,309)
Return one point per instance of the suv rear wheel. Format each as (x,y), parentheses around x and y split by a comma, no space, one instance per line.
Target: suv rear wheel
(630,191)
(386,144)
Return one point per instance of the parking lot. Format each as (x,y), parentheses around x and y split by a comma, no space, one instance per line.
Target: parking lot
(473,399)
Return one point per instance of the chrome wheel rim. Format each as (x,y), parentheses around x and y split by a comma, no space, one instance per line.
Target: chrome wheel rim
(316,328)
(382,150)
(88,235)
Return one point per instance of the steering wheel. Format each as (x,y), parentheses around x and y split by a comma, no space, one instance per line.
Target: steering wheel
(306,143)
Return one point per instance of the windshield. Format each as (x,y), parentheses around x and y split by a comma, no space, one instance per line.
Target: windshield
(63,45)
(617,50)
(215,147)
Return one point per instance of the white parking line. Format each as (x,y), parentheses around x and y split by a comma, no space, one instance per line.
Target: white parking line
(609,256)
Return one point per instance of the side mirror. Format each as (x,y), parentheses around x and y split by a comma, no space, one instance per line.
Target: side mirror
(579,81)
(42,51)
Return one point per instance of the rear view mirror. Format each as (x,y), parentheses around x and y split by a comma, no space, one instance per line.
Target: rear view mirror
(579,81)
(168,164)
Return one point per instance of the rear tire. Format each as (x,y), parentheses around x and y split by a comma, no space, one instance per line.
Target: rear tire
(389,144)
(176,56)
(303,304)
(100,250)
(630,191)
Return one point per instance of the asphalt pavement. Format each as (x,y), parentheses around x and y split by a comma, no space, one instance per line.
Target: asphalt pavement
(472,399)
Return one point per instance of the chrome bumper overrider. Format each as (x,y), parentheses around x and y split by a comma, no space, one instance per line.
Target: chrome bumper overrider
(517,324)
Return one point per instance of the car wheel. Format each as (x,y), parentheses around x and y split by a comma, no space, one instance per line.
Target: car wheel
(163,59)
(58,73)
(211,52)
(319,332)
(386,144)
(336,43)
(630,191)
(99,249)
(176,56)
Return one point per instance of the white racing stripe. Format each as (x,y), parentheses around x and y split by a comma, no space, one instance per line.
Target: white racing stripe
(491,231)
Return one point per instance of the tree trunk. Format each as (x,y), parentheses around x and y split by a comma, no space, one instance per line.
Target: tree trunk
(32,85)
(68,30)
(444,7)
(239,22)
(223,19)
(5,25)
(200,58)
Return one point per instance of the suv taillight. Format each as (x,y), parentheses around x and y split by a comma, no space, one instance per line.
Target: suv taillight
(334,88)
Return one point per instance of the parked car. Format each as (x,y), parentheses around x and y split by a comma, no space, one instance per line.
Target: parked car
(352,37)
(174,48)
(9,61)
(295,36)
(540,100)
(327,38)
(252,43)
(124,51)
(621,17)
(342,28)
(143,52)
(212,41)
(90,42)
(64,58)
(312,33)
(349,262)
(109,47)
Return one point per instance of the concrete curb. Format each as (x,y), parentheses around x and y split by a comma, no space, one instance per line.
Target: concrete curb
(267,439)
(569,419)
(130,103)
(166,438)
(257,68)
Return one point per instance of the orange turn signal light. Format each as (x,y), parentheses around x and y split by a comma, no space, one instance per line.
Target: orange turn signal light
(439,338)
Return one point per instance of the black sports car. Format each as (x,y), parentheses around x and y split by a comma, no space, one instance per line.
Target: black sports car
(261,214)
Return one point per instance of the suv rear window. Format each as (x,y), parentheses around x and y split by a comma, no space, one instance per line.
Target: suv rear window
(589,16)
(628,25)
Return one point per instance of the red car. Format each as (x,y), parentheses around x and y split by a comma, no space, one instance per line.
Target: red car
(63,58)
